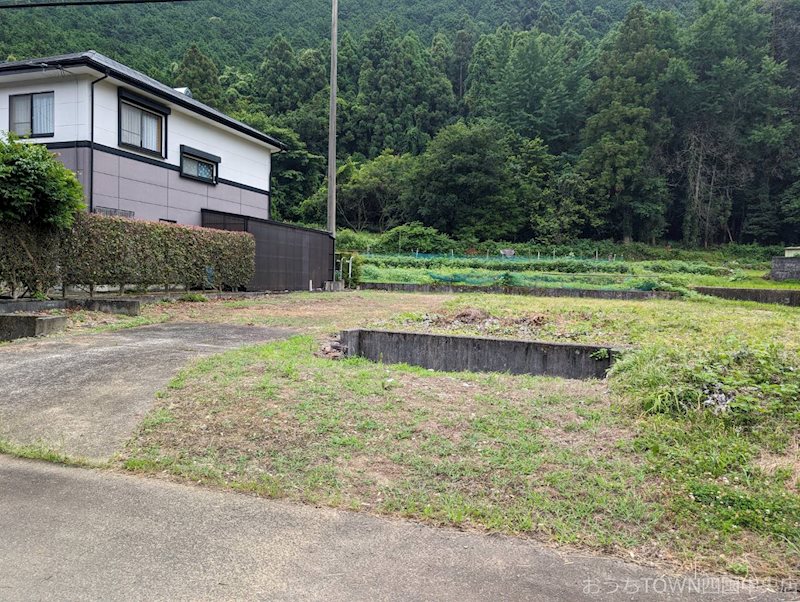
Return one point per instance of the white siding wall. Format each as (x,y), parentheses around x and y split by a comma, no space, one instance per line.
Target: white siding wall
(72,116)
(243,161)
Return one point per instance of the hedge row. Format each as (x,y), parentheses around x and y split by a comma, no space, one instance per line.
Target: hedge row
(569,266)
(101,250)
(564,265)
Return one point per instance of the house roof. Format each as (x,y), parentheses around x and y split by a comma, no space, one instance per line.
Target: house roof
(112,68)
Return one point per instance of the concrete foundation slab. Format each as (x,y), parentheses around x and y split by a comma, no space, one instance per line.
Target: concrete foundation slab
(480,354)
(20,326)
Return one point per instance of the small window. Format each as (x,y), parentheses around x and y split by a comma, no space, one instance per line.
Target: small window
(33,114)
(140,128)
(199,165)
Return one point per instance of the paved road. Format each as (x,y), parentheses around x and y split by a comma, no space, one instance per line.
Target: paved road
(84,395)
(79,534)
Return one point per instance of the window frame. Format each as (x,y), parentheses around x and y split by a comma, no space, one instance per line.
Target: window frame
(30,96)
(201,157)
(145,105)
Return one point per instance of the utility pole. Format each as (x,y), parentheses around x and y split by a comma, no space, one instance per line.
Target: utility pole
(332,117)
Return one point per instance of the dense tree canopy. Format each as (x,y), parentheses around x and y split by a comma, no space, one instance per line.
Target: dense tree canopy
(517,120)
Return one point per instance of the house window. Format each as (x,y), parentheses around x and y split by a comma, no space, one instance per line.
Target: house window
(32,114)
(140,128)
(199,165)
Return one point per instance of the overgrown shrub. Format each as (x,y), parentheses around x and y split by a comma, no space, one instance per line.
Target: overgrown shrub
(415,237)
(350,240)
(39,199)
(745,385)
(193,298)
(351,277)
(36,189)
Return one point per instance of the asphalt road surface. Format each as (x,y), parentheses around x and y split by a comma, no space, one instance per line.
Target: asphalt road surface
(81,534)
(84,395)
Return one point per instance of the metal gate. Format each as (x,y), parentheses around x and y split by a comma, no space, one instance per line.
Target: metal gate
(287,257)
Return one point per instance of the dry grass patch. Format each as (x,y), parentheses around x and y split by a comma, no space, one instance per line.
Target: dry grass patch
(540,456)
(309,312)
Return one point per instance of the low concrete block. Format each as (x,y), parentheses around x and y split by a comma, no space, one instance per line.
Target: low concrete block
(586,293)
(785,268)
(480,354)
(125,307)
(759,295)
(10,306)
(20,326)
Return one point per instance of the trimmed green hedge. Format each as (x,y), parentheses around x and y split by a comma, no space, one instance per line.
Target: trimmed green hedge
(29,258)
(101,250)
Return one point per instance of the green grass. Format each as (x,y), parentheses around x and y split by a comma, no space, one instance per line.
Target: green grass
(562,460)
(625,276)
(193,298)
(42,451)
(492,452)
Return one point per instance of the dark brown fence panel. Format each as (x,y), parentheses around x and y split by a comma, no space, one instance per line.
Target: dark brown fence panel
(287,257)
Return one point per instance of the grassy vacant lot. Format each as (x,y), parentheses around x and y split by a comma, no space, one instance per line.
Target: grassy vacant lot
(688,456)
(645,281)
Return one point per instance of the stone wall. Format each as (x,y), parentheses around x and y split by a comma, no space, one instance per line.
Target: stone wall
(759,295)
(785,268)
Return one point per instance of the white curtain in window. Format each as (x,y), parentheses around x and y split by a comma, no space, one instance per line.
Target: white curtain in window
(151,135)
(131,122)
(43,113)
(21,115)
(190,166)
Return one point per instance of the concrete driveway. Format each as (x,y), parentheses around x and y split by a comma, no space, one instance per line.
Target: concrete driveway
(84,395)
(77,534)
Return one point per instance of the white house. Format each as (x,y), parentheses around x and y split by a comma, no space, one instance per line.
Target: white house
(141,149)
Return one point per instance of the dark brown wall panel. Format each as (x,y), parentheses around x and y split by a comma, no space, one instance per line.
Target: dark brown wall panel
(287,257)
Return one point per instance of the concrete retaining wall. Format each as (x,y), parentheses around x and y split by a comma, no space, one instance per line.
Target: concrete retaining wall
(480,354)
(19,326)
(520,290)
(785,268)
(765,295)
(126,307)
(8,306)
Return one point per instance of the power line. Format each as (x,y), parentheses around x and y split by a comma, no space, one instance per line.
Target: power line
(82,3)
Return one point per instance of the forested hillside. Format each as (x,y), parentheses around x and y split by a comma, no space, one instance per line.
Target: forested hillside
(512,120)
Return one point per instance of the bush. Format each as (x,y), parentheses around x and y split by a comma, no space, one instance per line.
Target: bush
(193,298)
(744,385)
(36,189)
(39,198)
(415,237)
(351,278)
(350,240)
